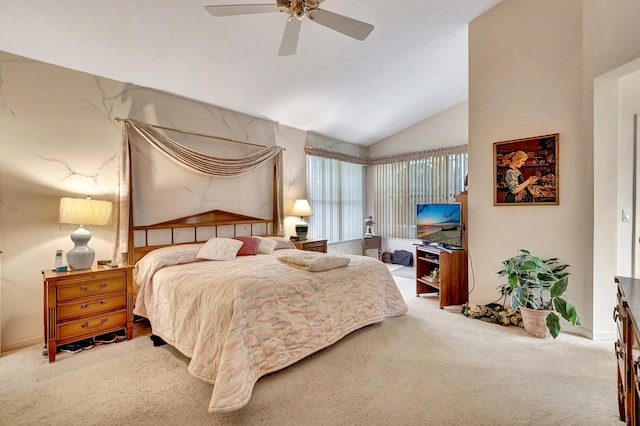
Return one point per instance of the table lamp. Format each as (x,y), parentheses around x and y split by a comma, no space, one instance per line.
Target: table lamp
(301,208)
(83,211)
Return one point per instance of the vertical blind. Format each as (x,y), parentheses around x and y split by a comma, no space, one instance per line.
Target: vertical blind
(400,185)
(336,195)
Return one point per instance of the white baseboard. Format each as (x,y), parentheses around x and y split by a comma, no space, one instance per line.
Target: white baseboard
(10,347)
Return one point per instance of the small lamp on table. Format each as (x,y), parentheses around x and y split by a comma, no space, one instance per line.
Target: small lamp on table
(301,208)
(83,211)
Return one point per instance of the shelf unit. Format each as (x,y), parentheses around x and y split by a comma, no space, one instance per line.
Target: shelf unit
(451,284)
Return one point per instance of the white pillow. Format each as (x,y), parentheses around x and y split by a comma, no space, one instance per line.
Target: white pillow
(282,243)
(165,256)
(266,246)
(220,249)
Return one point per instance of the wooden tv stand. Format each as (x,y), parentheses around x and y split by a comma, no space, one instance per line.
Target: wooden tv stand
(452,281)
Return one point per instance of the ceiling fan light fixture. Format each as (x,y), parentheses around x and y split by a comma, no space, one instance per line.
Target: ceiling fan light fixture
(298,9)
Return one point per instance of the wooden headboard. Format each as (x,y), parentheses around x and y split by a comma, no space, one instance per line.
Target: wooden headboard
(193,229)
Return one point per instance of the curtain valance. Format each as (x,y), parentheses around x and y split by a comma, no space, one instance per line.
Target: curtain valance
(195,161)
(333,155)
(198,162)
(396,158)
(418,155)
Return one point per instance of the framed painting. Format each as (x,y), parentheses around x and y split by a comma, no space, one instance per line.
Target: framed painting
(526,171)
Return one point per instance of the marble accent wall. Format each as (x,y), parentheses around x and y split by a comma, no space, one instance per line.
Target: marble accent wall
(58,138)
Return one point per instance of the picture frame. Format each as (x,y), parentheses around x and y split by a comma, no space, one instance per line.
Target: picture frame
(526,171)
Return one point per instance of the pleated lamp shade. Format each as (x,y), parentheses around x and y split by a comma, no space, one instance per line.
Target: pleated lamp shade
(83,211)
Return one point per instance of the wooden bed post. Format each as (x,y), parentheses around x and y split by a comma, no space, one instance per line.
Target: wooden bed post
(130,259)
(274,214)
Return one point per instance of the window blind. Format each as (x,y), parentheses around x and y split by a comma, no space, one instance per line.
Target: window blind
(399,185)
(336,194)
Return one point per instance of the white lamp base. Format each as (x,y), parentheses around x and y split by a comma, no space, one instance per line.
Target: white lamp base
(81,256)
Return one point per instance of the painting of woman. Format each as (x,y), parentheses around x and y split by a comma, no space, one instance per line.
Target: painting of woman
(516,184)
(526,171)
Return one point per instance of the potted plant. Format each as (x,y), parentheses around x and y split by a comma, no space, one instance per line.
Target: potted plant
(537,287)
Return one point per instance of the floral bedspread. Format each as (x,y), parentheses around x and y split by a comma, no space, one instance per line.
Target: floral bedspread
(239,320)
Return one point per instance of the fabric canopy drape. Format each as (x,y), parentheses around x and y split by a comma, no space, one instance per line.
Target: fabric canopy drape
(192,160)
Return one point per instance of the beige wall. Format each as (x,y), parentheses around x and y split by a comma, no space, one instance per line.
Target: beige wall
(535,68)
(629,106)
(447,128)
(58,138)
(532,71)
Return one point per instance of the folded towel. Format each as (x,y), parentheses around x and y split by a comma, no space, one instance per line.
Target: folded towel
(315,262)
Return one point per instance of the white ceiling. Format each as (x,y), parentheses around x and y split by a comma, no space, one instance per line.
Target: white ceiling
(413,65)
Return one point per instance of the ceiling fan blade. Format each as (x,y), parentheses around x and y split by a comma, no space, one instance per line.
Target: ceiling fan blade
(289,43)
(347,26)
(241,9)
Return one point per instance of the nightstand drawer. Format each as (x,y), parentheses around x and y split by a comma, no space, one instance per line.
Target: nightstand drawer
(95,325)
(312,245)
(91,287)
(317,246)
(92,306)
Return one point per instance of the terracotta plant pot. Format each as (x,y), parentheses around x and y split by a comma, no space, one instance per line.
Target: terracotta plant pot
(534,322)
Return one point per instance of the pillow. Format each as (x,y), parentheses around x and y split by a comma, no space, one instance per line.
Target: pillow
(266,246)
(249,246)
(220,249)
(165,256)
(282,243)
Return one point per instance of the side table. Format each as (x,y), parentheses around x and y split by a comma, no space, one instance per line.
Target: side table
(86,303)
(373,242)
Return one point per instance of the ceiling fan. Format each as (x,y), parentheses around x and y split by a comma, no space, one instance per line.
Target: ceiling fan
(298,9)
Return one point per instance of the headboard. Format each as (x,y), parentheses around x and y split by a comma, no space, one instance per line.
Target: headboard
(194,229)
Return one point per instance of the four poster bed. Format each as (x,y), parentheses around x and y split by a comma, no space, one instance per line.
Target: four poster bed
(242,303)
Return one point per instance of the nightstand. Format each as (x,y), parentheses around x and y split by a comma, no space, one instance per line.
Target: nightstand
(311,245)
(87,303)
(374,242)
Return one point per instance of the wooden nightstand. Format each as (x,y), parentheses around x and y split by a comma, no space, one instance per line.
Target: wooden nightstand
(374,242)
(83,304)
(311,245)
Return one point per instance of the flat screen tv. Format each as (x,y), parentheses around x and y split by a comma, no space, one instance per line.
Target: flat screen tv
(440,224)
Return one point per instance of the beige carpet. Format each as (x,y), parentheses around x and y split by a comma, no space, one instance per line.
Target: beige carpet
(429,367)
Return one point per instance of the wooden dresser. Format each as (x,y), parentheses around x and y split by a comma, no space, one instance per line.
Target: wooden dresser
(626,315)
(311,245)
(83,304)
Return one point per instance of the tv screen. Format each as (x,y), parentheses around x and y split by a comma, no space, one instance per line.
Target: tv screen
(440,224)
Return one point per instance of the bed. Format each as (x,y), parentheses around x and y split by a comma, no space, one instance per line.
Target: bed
(255,312)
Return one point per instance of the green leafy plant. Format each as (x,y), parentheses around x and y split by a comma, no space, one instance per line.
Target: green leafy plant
(538,283)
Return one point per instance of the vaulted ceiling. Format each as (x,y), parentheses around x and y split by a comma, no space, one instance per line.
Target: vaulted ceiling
(412,65)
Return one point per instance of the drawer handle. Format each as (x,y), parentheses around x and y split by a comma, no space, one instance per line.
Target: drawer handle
(85,288)
(86,305)
(616,313)
(86,323)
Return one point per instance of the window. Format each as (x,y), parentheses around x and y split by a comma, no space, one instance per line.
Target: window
(401,182)
(336,194)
